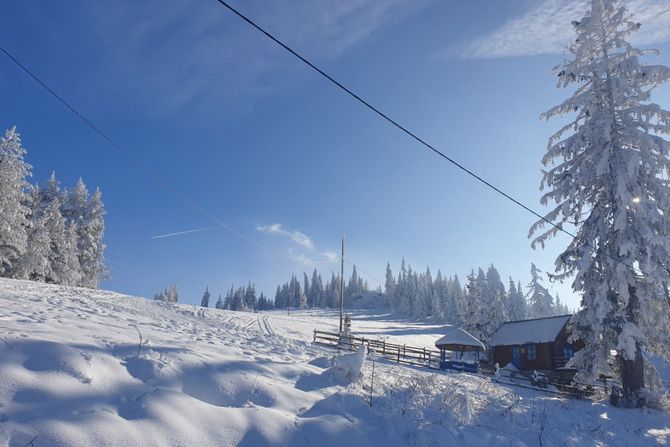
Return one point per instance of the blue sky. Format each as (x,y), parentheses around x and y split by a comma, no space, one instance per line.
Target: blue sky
(240,127)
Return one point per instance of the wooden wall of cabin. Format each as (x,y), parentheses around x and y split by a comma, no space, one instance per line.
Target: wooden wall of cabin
(502,355)
(543,360)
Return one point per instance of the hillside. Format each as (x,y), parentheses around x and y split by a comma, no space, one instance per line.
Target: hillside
(71,375)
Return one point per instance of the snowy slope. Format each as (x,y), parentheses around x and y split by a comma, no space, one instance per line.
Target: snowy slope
(70,375)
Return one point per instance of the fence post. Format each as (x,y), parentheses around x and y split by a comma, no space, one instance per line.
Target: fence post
(398,354)
(384,346)
(314,335)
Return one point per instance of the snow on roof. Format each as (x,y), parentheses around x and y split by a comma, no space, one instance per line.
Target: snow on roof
(539,330)
(457,336)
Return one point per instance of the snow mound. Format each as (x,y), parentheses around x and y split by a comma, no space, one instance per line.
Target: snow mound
(44,357)
(71,375)
(349,366)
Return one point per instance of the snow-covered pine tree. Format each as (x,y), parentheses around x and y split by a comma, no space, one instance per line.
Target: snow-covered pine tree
(88,215)
(91,247)
(516,309)
(34,263)
(169,295)
(334,291)
(314,292)
(305,288)
(75,202)
(47,209)
(424,301)
(173,294)
(608,176)
(471,318)
(250,298)
(220,303)
(540,302)
(559,307)
(13,196)
(439,297)
(354,287)
(51,190)
(408,305)
(457,296)
(494,303)
(205,298)
(71,273)
(317,290)
(389,288)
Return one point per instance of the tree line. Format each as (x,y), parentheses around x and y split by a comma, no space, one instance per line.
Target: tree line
(294,294)
(480,306)
(47,234)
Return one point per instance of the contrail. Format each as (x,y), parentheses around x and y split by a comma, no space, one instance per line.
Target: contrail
(197,230)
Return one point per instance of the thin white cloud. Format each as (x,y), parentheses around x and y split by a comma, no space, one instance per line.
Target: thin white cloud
(296,236)
(197,55)
(546,29)
(179,233)
(331,256)
(308,254)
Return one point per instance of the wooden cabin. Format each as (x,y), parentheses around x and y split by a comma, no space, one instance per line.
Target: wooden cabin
(459,350)
(538,344)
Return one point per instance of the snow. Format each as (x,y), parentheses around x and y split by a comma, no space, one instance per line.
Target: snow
(540,330)
(71,375)
(457,336)
(370,300)
(349,366)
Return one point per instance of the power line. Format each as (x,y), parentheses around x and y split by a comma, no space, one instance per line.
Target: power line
(161,182)
(156,178)
(139,164)
(412,134)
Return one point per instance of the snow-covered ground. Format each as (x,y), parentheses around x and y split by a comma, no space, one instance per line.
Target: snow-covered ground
(70,374)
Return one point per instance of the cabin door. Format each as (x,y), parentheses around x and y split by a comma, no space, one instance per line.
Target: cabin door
(516,356)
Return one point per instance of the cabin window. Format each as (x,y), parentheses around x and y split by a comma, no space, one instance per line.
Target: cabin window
(531,352)
(568,353)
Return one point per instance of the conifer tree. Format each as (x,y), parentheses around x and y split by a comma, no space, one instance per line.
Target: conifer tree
(205,298)
(540,301)
(607,175)
(439,298)
(494,303)
(34,263)
(517,302)
(220,303)
(389,287)
(13,196)
(47,210)
(91,245)
(471,310)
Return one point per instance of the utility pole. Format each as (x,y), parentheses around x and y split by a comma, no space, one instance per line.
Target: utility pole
(342,285)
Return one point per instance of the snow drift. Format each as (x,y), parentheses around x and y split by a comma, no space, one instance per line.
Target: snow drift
(71,375)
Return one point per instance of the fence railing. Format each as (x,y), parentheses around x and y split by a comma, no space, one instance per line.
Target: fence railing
(427,358)
(409,355)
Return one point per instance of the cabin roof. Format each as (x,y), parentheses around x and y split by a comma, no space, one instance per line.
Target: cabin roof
(458,336)
(538,330)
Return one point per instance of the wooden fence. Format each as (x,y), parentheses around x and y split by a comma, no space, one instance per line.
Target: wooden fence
(427,358)
(408,355)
